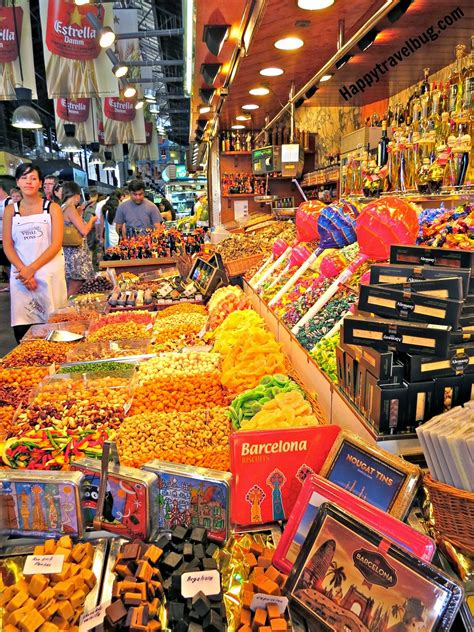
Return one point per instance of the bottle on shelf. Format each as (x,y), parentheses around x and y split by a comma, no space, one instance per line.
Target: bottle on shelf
(468,89)
(456,81)
(382,149)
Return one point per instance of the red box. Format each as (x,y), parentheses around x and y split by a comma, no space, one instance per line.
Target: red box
(269,468)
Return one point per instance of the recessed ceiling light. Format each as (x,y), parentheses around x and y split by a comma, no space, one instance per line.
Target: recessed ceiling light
(325,78)
(289,43)
(271,71)
(315,5)
(243,117)
(204,109)
(250,106)
(259,92)
(238,126)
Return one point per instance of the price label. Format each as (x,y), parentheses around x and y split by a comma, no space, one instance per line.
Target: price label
(43,564)
(208,582)
(261,601)
(91,618)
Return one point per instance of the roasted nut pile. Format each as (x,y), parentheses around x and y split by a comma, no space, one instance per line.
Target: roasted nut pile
(200,437)
(37,353)
(120,331)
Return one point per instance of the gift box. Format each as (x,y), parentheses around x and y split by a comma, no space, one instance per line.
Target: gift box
(383,273)
(421,255)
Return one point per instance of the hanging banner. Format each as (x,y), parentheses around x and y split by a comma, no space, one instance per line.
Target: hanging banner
(126,21)
(147,151)
(80,113)
(122,122)
(76,65)
(16,50)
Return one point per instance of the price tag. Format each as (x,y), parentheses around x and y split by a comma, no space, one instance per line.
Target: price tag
(208,582)
(91,618)
(261,601)
(43,564)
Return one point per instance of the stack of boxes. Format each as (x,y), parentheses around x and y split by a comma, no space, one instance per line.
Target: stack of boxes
(408,352)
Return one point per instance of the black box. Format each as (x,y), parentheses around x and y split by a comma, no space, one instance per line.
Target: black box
(425,256)
(386,273)
(360,387)
(461,337)
(419,403)
(445,287)
(389,407)
(370,384)
(458,361)
(350,366)
(398,373)
(467,388)
(390,303)
(447,394)
(379,363)
(341,367)
(396,335)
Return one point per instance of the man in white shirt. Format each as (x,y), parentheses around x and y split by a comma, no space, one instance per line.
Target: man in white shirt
(5,200)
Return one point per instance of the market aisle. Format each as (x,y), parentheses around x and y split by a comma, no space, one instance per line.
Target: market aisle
(7,340)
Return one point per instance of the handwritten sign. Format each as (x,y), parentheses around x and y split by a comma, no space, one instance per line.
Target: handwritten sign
(91,618)
(261,601)
(208,582)
(43,564)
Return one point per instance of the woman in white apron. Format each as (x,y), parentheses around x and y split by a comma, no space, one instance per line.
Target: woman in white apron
(32,240)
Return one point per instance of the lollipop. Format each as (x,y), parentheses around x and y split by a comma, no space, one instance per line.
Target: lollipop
(307,215)
(380,225)
(278,249)
(336,228)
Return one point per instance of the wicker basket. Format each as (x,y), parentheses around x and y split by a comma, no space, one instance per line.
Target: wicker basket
(237,267)
(453,512)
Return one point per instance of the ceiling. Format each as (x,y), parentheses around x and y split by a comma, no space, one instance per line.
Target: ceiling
(320,30)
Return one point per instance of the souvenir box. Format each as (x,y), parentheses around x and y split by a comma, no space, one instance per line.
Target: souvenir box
(191,496)
(422,255)
(388,412)
(458,361)
(269,468)
(407,305)
(353,579)
(314,493)
(420,403)
(448,392)
(379,363)
(395,273)
(126,504)
(378,477)
(40,504)
(395,335)
(450,288)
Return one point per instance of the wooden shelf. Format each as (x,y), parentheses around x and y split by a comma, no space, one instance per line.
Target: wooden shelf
(320,184)
(236,153)
(239,195)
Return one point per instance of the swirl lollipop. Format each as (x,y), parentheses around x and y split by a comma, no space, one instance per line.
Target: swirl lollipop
(380,225)
(336,228)
(279,247)
(306,230)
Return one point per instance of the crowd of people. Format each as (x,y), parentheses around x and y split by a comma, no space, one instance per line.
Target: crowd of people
(52,238)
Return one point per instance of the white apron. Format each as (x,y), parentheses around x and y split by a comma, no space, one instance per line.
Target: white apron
(31,236)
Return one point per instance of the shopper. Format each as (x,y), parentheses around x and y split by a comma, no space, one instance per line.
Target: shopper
(49,183)
(15,195)
(5,200)
(58,192)
(136,215)
(32,240)
(76,254)
(93,238)
(167,211)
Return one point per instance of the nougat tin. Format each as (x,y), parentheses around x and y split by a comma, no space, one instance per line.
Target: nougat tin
(40,504)
(192,497)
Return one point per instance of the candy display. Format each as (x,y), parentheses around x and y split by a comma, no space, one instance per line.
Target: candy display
(324,353)
(223,302)
(285,410)
(451,229)
(100,283)
(152,244)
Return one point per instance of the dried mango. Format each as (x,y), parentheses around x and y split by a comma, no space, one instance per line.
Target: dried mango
(286,410)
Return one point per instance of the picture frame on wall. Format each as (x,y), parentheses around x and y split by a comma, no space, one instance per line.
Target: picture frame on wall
(378,477)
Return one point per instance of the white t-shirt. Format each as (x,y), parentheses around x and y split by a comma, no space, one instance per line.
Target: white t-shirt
(98,210)
(3,204)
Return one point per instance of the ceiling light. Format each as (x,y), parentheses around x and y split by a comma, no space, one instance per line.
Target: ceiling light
(154,108)
(120,70)
(299,102)
(238,126)
(25,117)
(95,159)
(397,12)
(314,5)
(250,106)
(204,109)
(71,146)
(207,94)
(367,40)
(215,35)
(210,72)
(150,95)
(271,71)
(109,164)
(81,3)
(139,104)
(259,92)
(129,92)
(326,77)
(343,61)
(289,43)
(104,33)
(243,117)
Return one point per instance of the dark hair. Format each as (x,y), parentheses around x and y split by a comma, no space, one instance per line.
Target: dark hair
(93,191)
(51,177)
(25,168)
(110,208)
(4,185)
(136,185)
(15,190)
(70,189)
